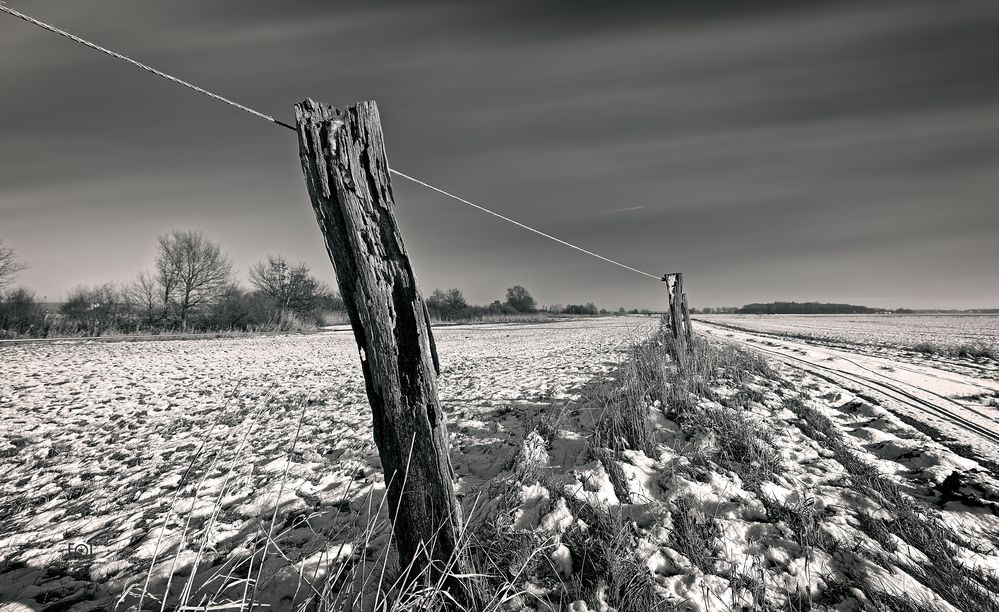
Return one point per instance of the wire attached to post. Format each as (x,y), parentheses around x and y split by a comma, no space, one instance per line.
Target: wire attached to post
(150,69)
(45,26)
(519,224)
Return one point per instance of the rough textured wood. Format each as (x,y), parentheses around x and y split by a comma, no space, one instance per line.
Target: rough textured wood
(688,330)
(343,158)
(678,317)
(674,291)
(667,320)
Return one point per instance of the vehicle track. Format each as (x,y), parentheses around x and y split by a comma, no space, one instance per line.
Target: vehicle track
(839,350)
(867,350)
(927,391)
(894,392)
(899,366)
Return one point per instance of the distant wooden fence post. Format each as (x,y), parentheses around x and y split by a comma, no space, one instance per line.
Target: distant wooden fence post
(667,320)
(674,289)
(343,158)
(678,316)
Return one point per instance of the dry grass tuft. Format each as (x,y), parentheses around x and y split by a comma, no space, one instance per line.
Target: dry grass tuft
(965,588)
(962,351)
(695,535)
(605,566)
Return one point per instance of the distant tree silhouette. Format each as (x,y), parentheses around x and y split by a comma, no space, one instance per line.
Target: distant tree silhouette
(192,272)
(143,293)
(520,299)
(578,309)
(291,286)
(447,305)
(96,310)
(238,309)
(21,314)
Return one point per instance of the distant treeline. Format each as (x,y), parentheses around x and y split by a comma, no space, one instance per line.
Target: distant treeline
(450,305)
(192,287)
(824,308)
(806,308)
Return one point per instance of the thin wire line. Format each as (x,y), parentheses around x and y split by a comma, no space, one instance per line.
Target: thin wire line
(519,224)
(255,113)
(149,69)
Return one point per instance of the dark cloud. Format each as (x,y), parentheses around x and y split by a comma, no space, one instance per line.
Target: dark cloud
(778,150)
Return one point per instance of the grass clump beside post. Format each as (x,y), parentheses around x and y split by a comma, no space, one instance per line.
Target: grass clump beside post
(623,421)
(740,443)
(651,380)
(695,534)
(605,566)
(658,377)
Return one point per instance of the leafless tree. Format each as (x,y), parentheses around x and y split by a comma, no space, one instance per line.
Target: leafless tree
(9,265)
(97,310)
(191,272)
(144,293)
(290,285)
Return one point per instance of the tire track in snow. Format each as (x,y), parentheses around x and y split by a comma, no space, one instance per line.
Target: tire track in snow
(885,388)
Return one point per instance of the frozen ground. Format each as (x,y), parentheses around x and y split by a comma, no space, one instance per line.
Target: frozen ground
(957,397)
(895,331)
(736,502)
(97,438)
(787,488)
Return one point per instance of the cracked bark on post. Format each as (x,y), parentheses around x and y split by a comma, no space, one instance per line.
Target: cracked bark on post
(347,175)
(688,330)
(674,294)
(667,320)
(676,308)
(674,291)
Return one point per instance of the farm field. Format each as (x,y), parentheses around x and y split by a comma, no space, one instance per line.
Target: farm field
(596,475)
(955,395)
(900,331)
(98,436)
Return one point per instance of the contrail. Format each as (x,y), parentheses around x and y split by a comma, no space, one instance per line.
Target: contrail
(619,210)
(603,213)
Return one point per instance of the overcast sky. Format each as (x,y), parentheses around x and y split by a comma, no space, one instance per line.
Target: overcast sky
(827,151)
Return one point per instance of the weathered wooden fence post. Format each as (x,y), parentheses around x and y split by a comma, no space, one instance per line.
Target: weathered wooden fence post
(667,320)
(679,315)
(674,291)
(686,322)
(347,174)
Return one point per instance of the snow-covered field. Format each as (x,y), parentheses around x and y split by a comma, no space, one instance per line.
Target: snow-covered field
(958,397)
(97,436)
(901,331)
(745,501)
(154,467)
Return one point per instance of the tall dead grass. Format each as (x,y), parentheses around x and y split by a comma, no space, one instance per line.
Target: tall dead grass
(917,526)
(962,351)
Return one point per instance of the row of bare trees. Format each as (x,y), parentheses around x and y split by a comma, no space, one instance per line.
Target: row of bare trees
(450,305)
(191,287)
